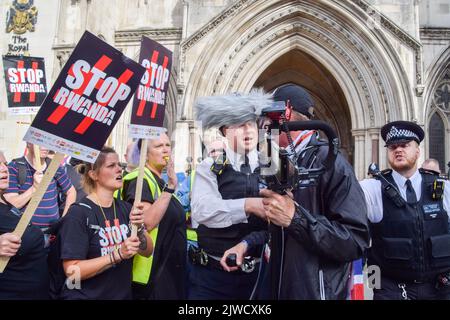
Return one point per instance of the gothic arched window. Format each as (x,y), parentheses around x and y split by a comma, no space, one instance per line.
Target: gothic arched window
(436,136)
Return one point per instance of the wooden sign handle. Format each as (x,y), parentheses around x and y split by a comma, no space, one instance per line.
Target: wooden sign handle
(140,180)
(37,158)
(34,202)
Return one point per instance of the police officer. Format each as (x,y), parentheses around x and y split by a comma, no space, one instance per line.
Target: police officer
(431,164)
(408,210)
(225,199)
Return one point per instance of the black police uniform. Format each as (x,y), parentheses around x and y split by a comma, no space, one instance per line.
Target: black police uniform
(208,280)
(411,244)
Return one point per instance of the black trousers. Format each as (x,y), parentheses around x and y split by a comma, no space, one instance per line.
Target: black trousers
(400,290)
(213,284)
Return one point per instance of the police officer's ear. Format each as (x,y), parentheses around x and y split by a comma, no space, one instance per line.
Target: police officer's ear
(417,148)
(223,130)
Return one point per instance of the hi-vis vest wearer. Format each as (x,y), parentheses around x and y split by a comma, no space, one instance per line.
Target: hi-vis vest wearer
(142,266)
(191,234)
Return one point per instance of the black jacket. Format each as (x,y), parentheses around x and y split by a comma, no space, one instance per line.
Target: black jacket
(320,245)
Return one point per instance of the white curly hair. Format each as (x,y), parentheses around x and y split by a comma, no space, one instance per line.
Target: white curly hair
(230,109)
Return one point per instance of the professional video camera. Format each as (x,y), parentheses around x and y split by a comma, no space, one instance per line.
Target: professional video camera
(282,173)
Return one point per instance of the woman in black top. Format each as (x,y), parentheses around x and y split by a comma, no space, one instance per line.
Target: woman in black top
(167,278)
(96,245)
(26,275)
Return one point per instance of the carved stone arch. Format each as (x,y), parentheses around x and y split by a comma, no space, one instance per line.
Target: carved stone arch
(434,75)
(171,112)
(444,141)
(441,114)
(369,81)
(438,71)
(364,63)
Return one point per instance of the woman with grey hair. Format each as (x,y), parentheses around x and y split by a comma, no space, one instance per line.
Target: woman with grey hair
(26,275)
(163,275)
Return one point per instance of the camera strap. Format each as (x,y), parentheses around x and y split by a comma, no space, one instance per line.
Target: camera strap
(390,190)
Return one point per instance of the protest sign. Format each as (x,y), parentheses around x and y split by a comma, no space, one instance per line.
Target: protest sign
(86,100)
(25,81)
(147,115)
(81,110)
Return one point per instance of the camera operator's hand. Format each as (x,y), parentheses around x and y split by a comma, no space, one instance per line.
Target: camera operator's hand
(240,249)
(255,206)
(279,209)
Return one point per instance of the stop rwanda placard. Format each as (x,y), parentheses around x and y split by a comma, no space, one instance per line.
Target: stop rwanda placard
(26,86)
(147,115)
(86,100)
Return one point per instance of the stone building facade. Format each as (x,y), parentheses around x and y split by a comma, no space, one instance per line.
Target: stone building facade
(365,62)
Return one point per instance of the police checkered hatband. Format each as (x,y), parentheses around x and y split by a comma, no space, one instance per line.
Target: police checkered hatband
(398,134)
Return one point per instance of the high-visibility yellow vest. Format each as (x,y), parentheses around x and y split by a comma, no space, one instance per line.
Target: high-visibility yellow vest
(142,266)
(190,233)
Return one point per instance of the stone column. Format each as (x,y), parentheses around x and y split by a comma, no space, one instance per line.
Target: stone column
(447,149)
(375,146)
(360,151)
(185,18)
(181,137)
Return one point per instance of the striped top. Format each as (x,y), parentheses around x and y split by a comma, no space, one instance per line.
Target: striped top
(48,210)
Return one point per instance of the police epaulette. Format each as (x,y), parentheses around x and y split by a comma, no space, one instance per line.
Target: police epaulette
(385,173)
(428,171)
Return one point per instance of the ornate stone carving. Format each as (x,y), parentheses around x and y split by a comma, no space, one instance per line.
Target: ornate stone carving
(318,19)
(21,17)
(435,34)
(171,34)
(239,5)
(401,35)
(302,28)
(197,36)
(441,97)
(63,53)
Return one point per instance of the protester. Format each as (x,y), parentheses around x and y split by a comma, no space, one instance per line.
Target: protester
(24,181)
(96,245)
(163,275)
(128,159)
(26,275)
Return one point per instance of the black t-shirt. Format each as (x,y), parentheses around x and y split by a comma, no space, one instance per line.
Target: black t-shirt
(170,282)
(26,275)
(85,235)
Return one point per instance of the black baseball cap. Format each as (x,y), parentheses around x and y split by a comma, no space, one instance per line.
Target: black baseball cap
(298,97)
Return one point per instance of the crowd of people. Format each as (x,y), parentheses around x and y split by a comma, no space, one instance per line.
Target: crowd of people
(222,234)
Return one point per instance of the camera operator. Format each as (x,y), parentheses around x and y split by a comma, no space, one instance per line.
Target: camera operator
(408,212)
(315,238)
